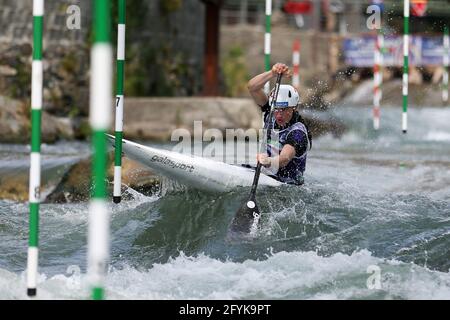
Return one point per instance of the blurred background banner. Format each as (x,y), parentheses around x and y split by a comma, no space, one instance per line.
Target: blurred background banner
(424,50)
(419,7)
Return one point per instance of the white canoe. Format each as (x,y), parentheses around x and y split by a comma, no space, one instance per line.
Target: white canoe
(193,171)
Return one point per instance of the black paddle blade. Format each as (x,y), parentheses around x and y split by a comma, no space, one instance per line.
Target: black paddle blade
(245,222)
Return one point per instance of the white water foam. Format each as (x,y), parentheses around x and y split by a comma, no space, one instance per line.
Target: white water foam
(438,136)
(284,275)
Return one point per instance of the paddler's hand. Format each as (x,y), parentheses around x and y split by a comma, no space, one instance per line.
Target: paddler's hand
(281,68)
(263,159)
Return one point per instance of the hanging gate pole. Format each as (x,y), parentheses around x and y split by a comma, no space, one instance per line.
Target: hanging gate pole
(117,197)
(378,79)
(100,118)
(296,64)
(267,42)
(405,67)
(446,65)
(35,156)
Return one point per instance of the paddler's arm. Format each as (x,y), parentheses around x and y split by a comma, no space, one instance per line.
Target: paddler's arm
(256,84)
(280,161)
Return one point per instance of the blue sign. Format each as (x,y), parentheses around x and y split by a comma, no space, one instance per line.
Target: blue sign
(423,51)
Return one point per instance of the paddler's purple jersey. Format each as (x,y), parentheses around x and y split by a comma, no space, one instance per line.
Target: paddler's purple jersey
(295,134)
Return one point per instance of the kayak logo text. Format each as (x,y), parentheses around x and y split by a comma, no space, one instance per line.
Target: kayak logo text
(232,146)
(173,164)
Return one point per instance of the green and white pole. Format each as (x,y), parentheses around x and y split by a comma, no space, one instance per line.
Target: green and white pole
(119,102)
(100,119)
(405,66)
(446,64)
(267,42)
(35,156)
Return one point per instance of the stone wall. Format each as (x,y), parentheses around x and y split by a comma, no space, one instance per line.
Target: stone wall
(15,124)
(16,17)
(65,54)
(164,55)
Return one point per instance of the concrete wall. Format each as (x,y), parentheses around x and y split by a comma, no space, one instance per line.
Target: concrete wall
(156,118)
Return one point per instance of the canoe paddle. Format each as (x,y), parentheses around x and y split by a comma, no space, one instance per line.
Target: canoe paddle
(245,221)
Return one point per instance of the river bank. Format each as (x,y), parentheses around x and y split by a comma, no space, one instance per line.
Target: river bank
(156,118)
(151,119)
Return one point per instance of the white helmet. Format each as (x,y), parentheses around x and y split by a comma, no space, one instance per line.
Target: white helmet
(287,97)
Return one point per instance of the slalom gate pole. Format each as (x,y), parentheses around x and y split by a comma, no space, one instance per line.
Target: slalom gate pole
(35,156)
(267,42)
(117,197)
(405,66)
(446,65)
(296,64)
(378,79)
(100,118)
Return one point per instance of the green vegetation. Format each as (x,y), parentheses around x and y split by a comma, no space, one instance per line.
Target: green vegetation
(69,62)
(21,86)
(169,6)
(235,72)
(156,67)
(156,72)
(83,130)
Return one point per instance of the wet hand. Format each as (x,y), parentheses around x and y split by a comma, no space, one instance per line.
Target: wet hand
(263,159)
(281,68)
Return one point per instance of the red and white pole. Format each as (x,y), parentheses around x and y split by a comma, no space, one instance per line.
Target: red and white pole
(296,64)
(377,79)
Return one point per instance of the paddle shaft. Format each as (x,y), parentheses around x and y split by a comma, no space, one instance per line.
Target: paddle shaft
(266,127)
